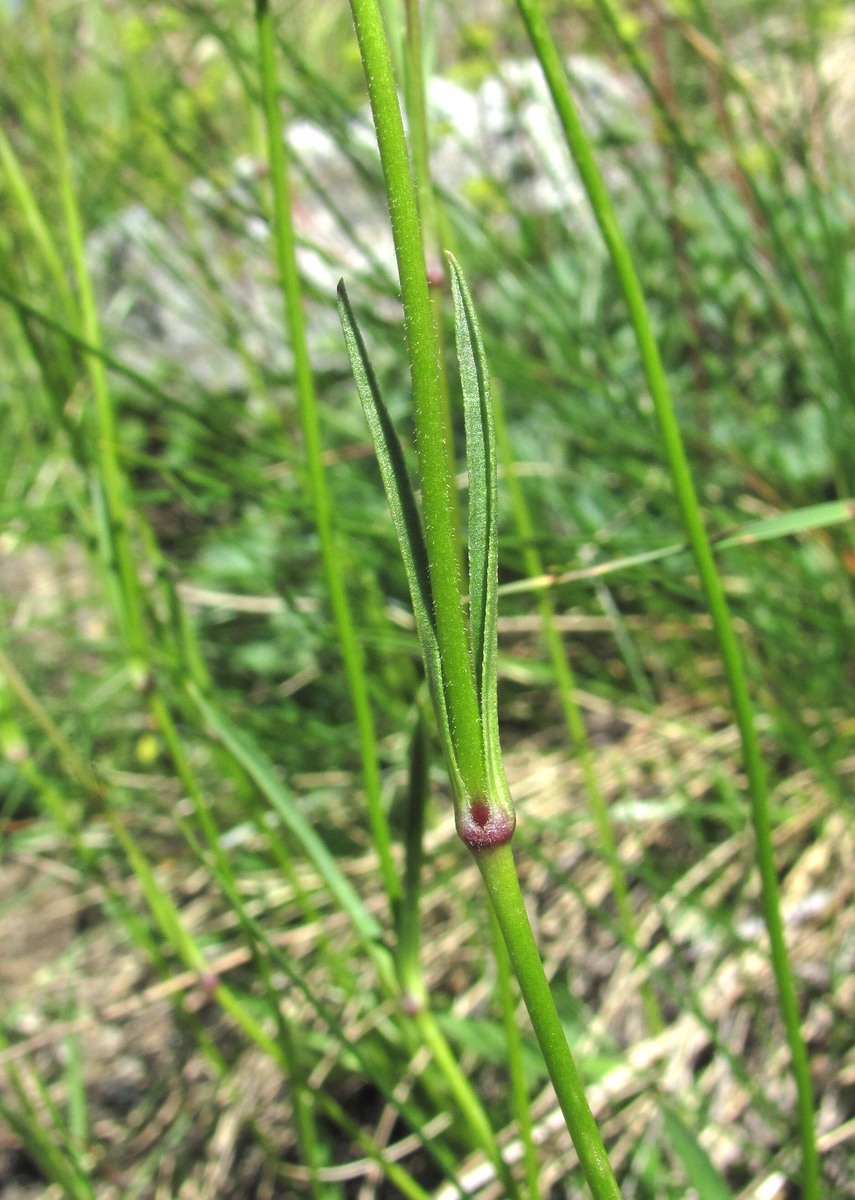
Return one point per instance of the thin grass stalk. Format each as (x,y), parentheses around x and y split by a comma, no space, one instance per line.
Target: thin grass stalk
(408,947)
(684,489)
(75,1086)
(750,256)
(303,1098)
(465,1097)
(397,1175)
(114,527)
(39,229)
(289,279)
(573,718)
(677,231)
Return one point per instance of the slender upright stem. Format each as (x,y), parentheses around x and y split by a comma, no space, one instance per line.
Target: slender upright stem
(514,1047)
(417,115)
(436,478)
(286,259)
(699,543)
(500,875)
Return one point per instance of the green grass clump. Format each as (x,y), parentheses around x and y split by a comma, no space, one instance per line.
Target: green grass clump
(244,953)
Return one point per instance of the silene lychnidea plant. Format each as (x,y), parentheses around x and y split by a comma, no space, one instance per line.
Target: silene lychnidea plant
(462,678)
(484,811)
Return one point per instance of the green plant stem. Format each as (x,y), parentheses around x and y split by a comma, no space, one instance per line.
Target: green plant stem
(286,258)
(513,1045)
(573,717)
(437,480)
(417,115)
(598,196)
(499,872)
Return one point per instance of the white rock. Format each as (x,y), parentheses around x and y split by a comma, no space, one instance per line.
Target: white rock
(187,300)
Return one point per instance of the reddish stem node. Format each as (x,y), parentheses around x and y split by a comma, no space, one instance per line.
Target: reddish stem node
(482,825)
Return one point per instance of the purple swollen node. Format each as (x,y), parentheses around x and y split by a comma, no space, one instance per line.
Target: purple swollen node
(482,825)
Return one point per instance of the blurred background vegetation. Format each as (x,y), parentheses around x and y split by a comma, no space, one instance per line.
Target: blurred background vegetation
(143,837)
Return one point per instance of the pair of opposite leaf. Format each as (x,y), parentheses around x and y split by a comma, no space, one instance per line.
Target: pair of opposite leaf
(484,817)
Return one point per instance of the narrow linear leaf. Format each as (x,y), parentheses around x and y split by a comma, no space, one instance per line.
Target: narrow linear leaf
(701,1174)
(482,459)
(477,413)
(405,518)
(799,520)
(539,583)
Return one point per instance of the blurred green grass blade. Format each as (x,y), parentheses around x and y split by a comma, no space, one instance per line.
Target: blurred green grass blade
(539,582)
(42,1150)
(75,1084)
(798,520)
(169,920)
(701,1174)
(79,342)
(405,518)
(370,1063)
(261,771)
(115,530)
(38,226)
(408,917)
(39,1125)
(159,901)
